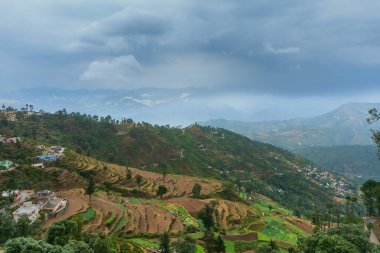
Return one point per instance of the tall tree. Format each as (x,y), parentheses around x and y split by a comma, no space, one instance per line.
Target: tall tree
(139,179)
(368,188)
(23,228)
(90,187)
(162,190)
(107,187)
(128,175)
(197,188)
(7,227)
(102,245)
(165,243)
(213,244)
(206,215)
(61,232)
(219,245)
(185,245)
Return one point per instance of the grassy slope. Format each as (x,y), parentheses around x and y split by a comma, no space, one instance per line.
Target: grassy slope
(358,162)
(205,152)
(276,227)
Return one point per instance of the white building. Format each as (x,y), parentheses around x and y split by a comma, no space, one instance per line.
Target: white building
(29,209)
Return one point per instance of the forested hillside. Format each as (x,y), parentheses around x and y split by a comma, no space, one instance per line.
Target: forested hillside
(357,162)
(196,150)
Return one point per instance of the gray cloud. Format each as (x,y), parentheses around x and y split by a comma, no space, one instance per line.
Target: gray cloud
(287,48)
(117,69)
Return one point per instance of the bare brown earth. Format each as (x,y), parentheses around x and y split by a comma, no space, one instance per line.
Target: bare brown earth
(232,213)
(246,237)
(144,217)
(150,218)
(78,202)
(177,185)
(227,215)
(191,205)
(305,225)
(66,179)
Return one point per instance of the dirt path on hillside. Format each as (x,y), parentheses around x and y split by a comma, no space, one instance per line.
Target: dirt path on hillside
(373,236)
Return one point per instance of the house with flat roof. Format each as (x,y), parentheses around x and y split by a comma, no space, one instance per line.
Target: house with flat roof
(48,158)
(29,209)
(43,196)
(20,197)
(49,201)
(55,206)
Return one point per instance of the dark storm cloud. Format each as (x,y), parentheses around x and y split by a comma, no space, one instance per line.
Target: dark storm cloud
(286,48)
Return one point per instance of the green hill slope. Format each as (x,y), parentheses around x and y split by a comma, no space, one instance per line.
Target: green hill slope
(196,150)
(357,162)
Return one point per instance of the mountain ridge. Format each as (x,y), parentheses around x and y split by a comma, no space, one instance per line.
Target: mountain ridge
(345,125)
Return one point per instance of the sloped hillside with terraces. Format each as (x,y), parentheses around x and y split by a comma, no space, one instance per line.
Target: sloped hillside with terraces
(195,151)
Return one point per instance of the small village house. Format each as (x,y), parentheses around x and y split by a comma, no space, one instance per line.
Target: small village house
(20,197)
(55,206)
(6,164)
(48,158)
(29,209)
(49,201)
(13,140)
(39,165)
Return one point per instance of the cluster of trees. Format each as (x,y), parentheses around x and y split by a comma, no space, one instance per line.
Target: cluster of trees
(212,244)
(371,191)
(196,191)
(61,237)
(185,244)
(10,229)
(348,238)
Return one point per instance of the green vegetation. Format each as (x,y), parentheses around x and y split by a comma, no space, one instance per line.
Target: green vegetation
(357,162)
(185,245)
(146,243)
(281,230)
(197,151)
(244,166)
(122,222)
(184,215)
(268,206)
(165,243)
(111,219)
(197,188)
(347,238)
(133,200)
(88,215)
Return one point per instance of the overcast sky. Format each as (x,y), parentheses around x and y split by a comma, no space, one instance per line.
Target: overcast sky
(286,50)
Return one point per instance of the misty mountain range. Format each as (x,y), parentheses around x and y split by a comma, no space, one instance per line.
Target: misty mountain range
(339,140)
(145,104)
(347,125)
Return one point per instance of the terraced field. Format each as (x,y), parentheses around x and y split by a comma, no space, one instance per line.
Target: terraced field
(115,214)
(117,175)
